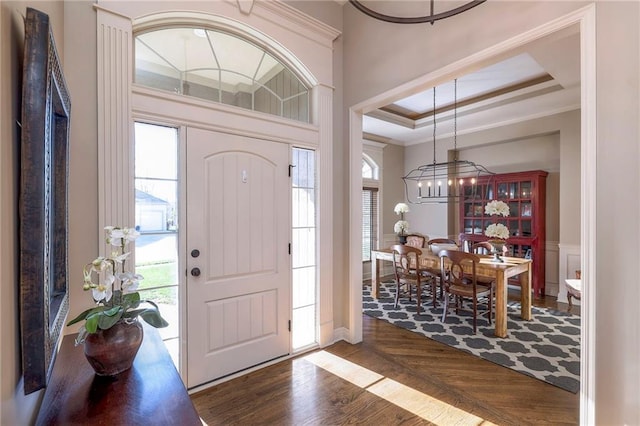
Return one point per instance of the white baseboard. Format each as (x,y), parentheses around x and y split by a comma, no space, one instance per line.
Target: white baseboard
(341,333)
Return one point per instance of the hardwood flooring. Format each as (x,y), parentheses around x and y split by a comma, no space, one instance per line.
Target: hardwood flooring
(393,377)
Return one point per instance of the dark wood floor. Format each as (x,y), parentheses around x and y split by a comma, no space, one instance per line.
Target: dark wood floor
(400,377)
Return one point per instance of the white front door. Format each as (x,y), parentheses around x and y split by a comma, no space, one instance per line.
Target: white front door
(238,262)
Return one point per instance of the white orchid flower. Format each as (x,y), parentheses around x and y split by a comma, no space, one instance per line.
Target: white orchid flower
(120,237)
(129,282)
(104,290)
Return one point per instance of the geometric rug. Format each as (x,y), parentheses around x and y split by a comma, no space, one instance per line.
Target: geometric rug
(546,348)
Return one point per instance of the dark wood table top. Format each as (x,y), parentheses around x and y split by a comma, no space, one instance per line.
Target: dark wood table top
(150,393)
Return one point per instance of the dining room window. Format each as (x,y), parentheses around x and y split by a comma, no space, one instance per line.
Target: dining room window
(369,222)
(370,201)
(156,218)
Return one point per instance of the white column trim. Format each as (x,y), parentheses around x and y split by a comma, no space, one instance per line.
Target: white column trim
(323,96)
(588,118)
(116,202)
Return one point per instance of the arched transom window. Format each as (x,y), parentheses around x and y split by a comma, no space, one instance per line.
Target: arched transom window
(369,168)
(219,67)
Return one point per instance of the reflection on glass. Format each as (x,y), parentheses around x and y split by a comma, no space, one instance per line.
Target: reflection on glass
(502,190)
(514,211)
(513,190)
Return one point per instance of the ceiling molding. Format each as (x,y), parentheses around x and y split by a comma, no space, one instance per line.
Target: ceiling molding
(405,113)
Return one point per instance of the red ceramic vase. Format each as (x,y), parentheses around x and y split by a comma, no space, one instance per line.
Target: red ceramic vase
(112,351)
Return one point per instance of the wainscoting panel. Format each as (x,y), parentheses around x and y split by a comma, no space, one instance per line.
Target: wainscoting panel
(570,262)
(551,268)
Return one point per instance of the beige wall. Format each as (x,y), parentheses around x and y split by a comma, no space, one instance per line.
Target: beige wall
(411,51)
(393,188)
(16,408)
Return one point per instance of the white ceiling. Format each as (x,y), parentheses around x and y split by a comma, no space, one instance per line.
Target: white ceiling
(557,58)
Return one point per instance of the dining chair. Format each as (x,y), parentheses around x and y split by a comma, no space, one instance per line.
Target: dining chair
(406,267)
(435,245)
(415,240)
(461,285)
(441,243)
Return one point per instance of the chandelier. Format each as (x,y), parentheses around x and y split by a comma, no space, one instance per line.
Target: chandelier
(431,18)
(444,182)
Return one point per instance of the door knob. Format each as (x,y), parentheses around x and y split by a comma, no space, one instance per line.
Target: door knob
(195,253)
(195,272)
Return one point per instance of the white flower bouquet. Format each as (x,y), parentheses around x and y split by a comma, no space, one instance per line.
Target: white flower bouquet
(497,230)
(401,209)
(401,227)
(496,208)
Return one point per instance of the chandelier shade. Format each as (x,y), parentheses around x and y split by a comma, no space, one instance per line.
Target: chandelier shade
(444,182)
(430,18)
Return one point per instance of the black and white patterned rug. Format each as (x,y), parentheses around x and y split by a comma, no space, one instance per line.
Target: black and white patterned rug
(546,348)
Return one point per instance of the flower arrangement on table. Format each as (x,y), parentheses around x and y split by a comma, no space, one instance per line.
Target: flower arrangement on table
(498,232)
(114,292)
(401,227)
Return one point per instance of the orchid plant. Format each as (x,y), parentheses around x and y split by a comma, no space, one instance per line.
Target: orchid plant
(497,230)
(114,289)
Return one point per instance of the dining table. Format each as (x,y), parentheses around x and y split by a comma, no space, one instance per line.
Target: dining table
(510,267)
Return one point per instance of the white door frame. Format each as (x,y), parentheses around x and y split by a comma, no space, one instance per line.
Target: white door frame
(585,18)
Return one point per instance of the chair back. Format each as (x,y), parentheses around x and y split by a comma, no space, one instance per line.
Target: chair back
(453,271)
(405,261)
(414,240)
(437,244)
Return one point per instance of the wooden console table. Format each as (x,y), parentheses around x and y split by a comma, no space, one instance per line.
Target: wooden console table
(150,393)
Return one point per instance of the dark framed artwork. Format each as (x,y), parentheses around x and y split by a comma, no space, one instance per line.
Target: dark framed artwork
(44,158)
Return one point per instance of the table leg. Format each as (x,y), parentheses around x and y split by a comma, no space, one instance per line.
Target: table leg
(501,304)
(525,294)
(375,277)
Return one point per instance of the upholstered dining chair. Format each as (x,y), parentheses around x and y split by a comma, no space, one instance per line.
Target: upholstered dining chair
(415,240)
(461,285)
(406,267)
